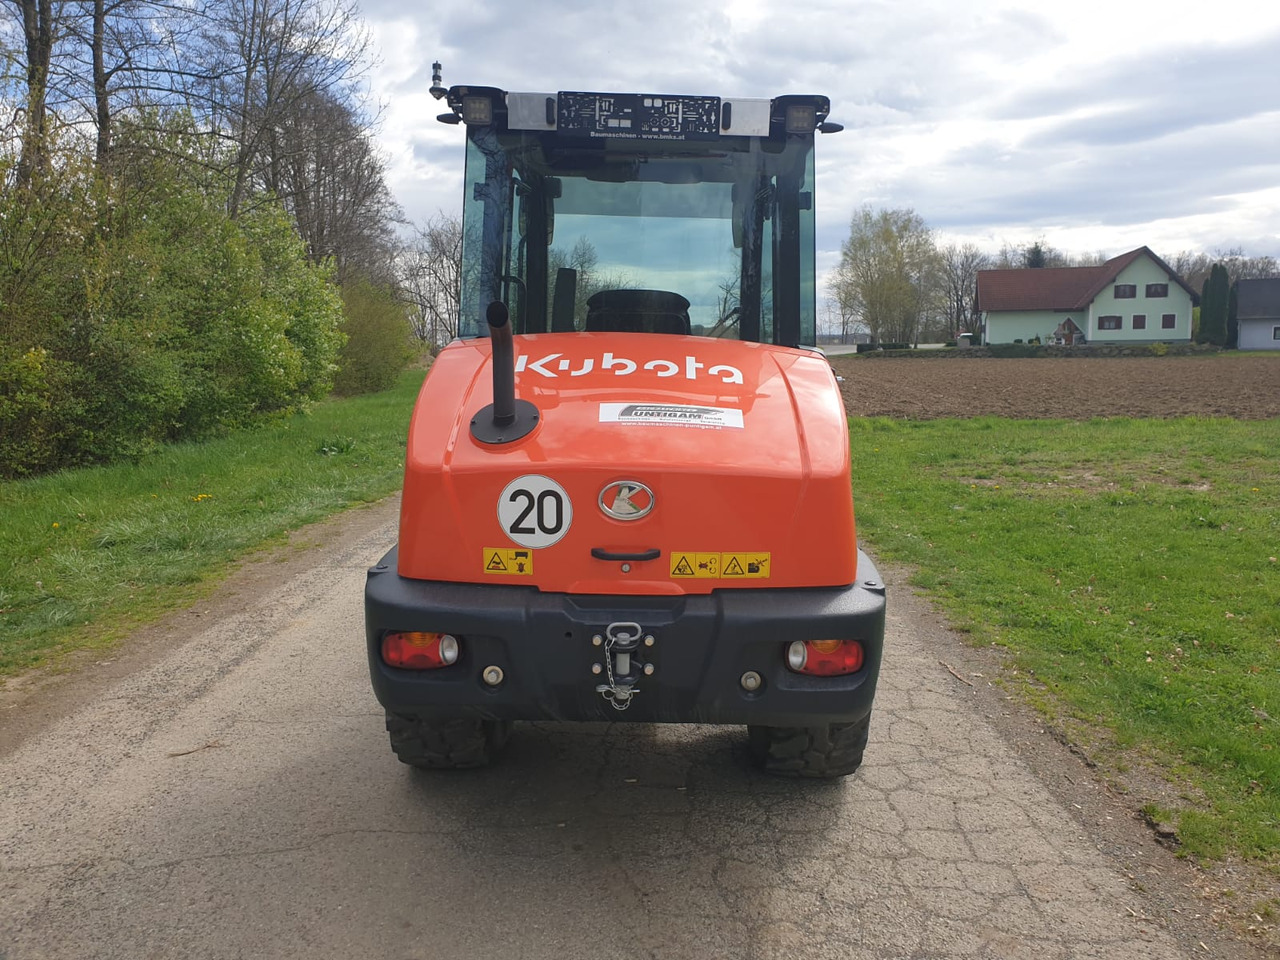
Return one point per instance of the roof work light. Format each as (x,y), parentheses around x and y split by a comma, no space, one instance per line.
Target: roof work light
(477,111)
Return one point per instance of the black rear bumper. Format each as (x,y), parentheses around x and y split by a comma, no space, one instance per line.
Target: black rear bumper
(702,646)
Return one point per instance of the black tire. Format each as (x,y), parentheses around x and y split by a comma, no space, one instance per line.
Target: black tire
(453,744)
(823,753)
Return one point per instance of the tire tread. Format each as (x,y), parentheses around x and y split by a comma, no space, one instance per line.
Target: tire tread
(824,753)
(452,744)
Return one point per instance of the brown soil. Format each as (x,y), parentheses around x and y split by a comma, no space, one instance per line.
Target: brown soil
(1076,388)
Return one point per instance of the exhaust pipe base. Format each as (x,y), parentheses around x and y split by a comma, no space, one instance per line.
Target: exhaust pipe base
(506,419)
(486,429)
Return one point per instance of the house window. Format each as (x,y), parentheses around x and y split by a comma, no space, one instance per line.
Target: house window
(1126,291)
(1168,321)
(1110,323)
(1157,289)
(1275,333)
(1139,321)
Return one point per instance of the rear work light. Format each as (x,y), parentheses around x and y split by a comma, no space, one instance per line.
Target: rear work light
(477,111)
(801,118)
(825,658)
(420,651)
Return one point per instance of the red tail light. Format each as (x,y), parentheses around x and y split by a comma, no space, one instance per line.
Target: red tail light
(825,658)
(420,651)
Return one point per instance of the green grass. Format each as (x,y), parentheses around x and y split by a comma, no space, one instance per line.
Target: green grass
(85,555)
(1130,566)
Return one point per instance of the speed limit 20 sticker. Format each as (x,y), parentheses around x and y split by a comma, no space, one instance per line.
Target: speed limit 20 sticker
(534,511)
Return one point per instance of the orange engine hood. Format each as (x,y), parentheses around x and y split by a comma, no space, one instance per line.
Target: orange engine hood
(742,451)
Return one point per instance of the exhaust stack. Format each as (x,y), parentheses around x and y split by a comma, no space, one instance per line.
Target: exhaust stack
(506,419)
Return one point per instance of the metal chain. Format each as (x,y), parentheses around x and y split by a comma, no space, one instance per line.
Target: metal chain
(610,690)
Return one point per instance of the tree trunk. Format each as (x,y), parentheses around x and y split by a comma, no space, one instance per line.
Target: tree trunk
(37,24)
(101,101)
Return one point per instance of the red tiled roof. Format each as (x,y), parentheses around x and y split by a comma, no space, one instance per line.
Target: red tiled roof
(1057,288)
(1048,288)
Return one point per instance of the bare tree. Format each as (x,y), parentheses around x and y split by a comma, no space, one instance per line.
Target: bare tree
(728,308)
(116,62)
(1039,254)
(841,320)
(960,266)
(261,61)
(1192,266)
(585,261)
(322,164)
(431,277)
(1241,266)
(1095,259)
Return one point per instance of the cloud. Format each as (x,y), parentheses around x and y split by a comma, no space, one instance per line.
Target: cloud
(1149,97)
(989,118)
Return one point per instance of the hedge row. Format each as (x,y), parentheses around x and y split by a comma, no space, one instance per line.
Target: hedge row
(136,311)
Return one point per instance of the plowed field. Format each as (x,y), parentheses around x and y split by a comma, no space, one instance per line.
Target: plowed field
(1076,388)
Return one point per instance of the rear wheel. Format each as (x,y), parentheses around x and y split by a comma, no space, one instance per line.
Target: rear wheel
(825,752)
(452,744)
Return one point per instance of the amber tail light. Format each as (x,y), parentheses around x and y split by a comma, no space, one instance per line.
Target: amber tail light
(420,651)
(825,658)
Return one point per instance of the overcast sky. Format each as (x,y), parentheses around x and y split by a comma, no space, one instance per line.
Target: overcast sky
(1097,125)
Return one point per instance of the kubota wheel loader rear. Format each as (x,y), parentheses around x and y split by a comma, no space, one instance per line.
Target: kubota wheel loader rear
(637,507)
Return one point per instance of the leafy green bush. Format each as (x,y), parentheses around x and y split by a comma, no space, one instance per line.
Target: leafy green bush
(134,311)
(34,425)
(378,337)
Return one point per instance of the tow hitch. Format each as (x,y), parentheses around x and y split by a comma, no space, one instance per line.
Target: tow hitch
(622,643)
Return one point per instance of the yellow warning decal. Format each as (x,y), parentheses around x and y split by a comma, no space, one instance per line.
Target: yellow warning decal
(749,566)
(508,562)
(721,566)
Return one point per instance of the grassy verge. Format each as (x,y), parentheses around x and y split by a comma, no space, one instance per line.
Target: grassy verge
(87,554)
(1130,566)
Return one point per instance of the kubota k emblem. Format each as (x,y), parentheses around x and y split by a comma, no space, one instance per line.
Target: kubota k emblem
(626,500)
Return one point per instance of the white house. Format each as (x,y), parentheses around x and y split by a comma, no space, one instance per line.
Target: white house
(1258,314)
(1133,298)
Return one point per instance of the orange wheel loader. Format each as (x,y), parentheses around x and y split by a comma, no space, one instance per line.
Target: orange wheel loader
(626,491)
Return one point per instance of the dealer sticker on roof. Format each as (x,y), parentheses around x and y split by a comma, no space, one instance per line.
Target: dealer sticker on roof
(671,414)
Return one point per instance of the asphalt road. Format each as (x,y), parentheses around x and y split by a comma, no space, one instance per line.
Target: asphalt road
(236,797)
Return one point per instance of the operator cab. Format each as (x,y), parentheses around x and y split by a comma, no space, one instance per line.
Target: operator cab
(640,213)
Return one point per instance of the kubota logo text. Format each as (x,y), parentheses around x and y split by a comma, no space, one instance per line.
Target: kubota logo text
(555,364)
